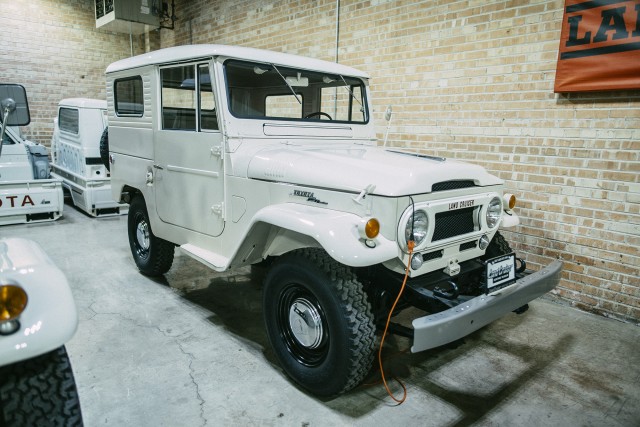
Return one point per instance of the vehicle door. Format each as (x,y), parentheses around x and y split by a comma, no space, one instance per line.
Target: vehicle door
(189,174)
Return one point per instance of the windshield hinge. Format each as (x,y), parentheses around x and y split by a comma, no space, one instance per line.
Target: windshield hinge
(368,190)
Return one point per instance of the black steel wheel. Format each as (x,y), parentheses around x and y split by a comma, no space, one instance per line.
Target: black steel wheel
(319,322)
(39,392)
(104,148)
(152,255)
(302,324)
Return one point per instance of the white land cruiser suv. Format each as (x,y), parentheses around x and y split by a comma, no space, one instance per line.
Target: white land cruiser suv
(239,156)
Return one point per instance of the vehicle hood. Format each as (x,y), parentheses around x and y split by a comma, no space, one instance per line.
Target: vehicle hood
(355,167)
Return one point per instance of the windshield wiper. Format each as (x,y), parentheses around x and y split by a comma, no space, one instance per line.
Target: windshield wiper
(346,86)
(287,83)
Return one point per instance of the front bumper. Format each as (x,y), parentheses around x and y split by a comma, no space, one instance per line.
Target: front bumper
(447,326)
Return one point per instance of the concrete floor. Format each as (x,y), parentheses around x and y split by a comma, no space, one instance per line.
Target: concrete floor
(191,350)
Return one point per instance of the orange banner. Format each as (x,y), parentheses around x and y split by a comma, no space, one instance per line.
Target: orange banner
(599,46)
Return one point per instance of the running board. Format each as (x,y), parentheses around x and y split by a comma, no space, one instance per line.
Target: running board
(208,258)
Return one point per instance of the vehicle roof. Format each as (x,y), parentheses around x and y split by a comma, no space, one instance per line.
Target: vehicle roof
(183,53)
(83,103)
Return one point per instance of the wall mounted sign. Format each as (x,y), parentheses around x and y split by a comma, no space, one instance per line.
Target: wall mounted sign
(599,46)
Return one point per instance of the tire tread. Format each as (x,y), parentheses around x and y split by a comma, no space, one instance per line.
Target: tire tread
(361,329)
(161,252)
(40,392)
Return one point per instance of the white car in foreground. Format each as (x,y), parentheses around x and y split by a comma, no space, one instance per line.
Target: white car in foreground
(37,317)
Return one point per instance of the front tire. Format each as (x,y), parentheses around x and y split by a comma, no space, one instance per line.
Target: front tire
(39,392)
(152,255)
(319,322)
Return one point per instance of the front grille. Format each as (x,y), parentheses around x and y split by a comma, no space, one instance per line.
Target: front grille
(452,185)
(453,223)
(432,255)
(467,246)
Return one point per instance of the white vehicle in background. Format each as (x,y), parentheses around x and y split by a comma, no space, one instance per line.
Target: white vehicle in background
(27,191)
(240,155)
(75,156)
(37,317)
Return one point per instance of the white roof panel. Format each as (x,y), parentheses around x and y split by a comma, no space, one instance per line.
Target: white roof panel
(83,103)
(188,52)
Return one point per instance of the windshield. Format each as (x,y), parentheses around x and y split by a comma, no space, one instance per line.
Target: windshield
(267,91)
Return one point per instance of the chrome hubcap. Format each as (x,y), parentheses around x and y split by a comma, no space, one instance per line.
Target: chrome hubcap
(142,235)
(305,323)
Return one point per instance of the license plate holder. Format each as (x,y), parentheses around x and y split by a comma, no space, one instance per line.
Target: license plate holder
(500,272)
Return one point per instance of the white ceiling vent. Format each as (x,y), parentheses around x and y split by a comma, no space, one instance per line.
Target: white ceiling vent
(128,16)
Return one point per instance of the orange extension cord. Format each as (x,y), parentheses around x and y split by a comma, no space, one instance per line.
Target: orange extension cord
(411,245)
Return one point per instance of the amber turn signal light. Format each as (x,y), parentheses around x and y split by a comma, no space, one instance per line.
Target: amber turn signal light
(13,300)
(369,228)
(509,200)
(372,228)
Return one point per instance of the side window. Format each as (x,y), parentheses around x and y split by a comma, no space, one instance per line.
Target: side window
(128,97)
(179,98)
(187,95)
(208,116)
(68,120)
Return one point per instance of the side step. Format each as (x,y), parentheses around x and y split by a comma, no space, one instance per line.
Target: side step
(208,258)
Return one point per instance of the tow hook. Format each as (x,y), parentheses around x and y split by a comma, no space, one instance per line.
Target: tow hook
(453,293)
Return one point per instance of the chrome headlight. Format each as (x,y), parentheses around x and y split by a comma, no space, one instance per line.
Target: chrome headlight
(418,225)
(493,212)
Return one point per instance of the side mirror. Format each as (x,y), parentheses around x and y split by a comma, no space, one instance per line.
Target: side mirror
(387,117)
(387,114)
(14,108)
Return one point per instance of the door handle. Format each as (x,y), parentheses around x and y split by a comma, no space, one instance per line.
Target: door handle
(158,167)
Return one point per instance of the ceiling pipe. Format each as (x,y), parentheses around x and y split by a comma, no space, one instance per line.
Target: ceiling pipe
(337,28)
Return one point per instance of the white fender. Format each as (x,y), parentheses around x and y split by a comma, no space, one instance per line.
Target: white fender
(509,219)
(336,232)
(50,318)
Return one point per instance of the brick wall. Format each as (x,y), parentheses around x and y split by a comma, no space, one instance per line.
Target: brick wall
(467,79)
(473,80)
(53,48)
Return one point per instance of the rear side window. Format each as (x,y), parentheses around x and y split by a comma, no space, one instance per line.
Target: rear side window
(68,120)
(128,97)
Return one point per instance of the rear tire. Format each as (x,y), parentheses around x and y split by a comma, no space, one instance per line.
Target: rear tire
(39,392)
(319,322)
(104,148)
(152,255)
